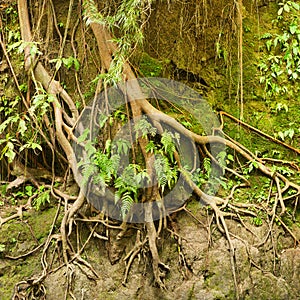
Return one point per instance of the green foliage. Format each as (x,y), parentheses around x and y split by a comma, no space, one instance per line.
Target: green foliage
(151,147)
(122,146)
(128,184)
(251,166)
(104,168)
(284,134)
(40,103)
(8,150)
(167,141)
(280,68)
(144,128)
(284,170)
(257,221)
(150,67)
(2,248)
(40,196)
(14,123)
(43,197)
(202,175)
(128,22)
(120,115)
(17,129)
(127,202)
(83,136)
(207,166)
(166,175)
(19,47)
(68,62)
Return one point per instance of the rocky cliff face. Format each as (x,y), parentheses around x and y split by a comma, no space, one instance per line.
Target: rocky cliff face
(200,269)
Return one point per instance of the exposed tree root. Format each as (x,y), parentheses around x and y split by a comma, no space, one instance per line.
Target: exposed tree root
(132,254)
(64,122)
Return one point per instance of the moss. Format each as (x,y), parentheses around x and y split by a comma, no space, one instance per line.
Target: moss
(41,221)
(149,66)
(15,273)
(17,236)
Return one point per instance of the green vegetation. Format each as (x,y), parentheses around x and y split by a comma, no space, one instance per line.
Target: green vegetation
(251,187)
(280,68)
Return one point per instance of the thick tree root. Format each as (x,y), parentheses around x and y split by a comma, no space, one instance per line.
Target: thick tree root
(64,123)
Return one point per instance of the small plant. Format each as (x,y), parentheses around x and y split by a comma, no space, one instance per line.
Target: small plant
(68,62)
(280,67)
(43,197)
(143,128)
(257,221)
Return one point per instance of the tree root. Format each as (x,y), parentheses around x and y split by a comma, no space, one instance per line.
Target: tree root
(132,254)
(64,123)
(158,267)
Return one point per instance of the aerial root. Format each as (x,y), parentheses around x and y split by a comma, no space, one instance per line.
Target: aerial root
(159,268)
(132,254)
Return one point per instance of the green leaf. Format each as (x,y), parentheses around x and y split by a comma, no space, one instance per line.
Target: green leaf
(76,64)
(22,127)
(150,147)
(293,28)
(68,62)
(281,135)
(35,145)
(123,146)
(295,5)
(43,197)
(90,149)
(29,190)
(102,120)
(269,45)
(286,7)
(230,157)
(10,154)
(83,136)
(127,202)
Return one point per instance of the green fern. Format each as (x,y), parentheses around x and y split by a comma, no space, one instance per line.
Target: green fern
(151,147)
(166,175)
(126,204)
(168,145)
(144,128)
(89,170)
(207,166)
(122,146)
(42,198)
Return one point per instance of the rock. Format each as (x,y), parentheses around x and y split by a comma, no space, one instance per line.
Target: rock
(290,269)
(261,285)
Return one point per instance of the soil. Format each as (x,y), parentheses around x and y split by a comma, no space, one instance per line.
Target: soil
(199,269)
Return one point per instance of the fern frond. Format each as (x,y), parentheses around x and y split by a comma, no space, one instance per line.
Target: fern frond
(207,166)
(166,175)
(151,147)
(144,127)
(127,202)
(168,144)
